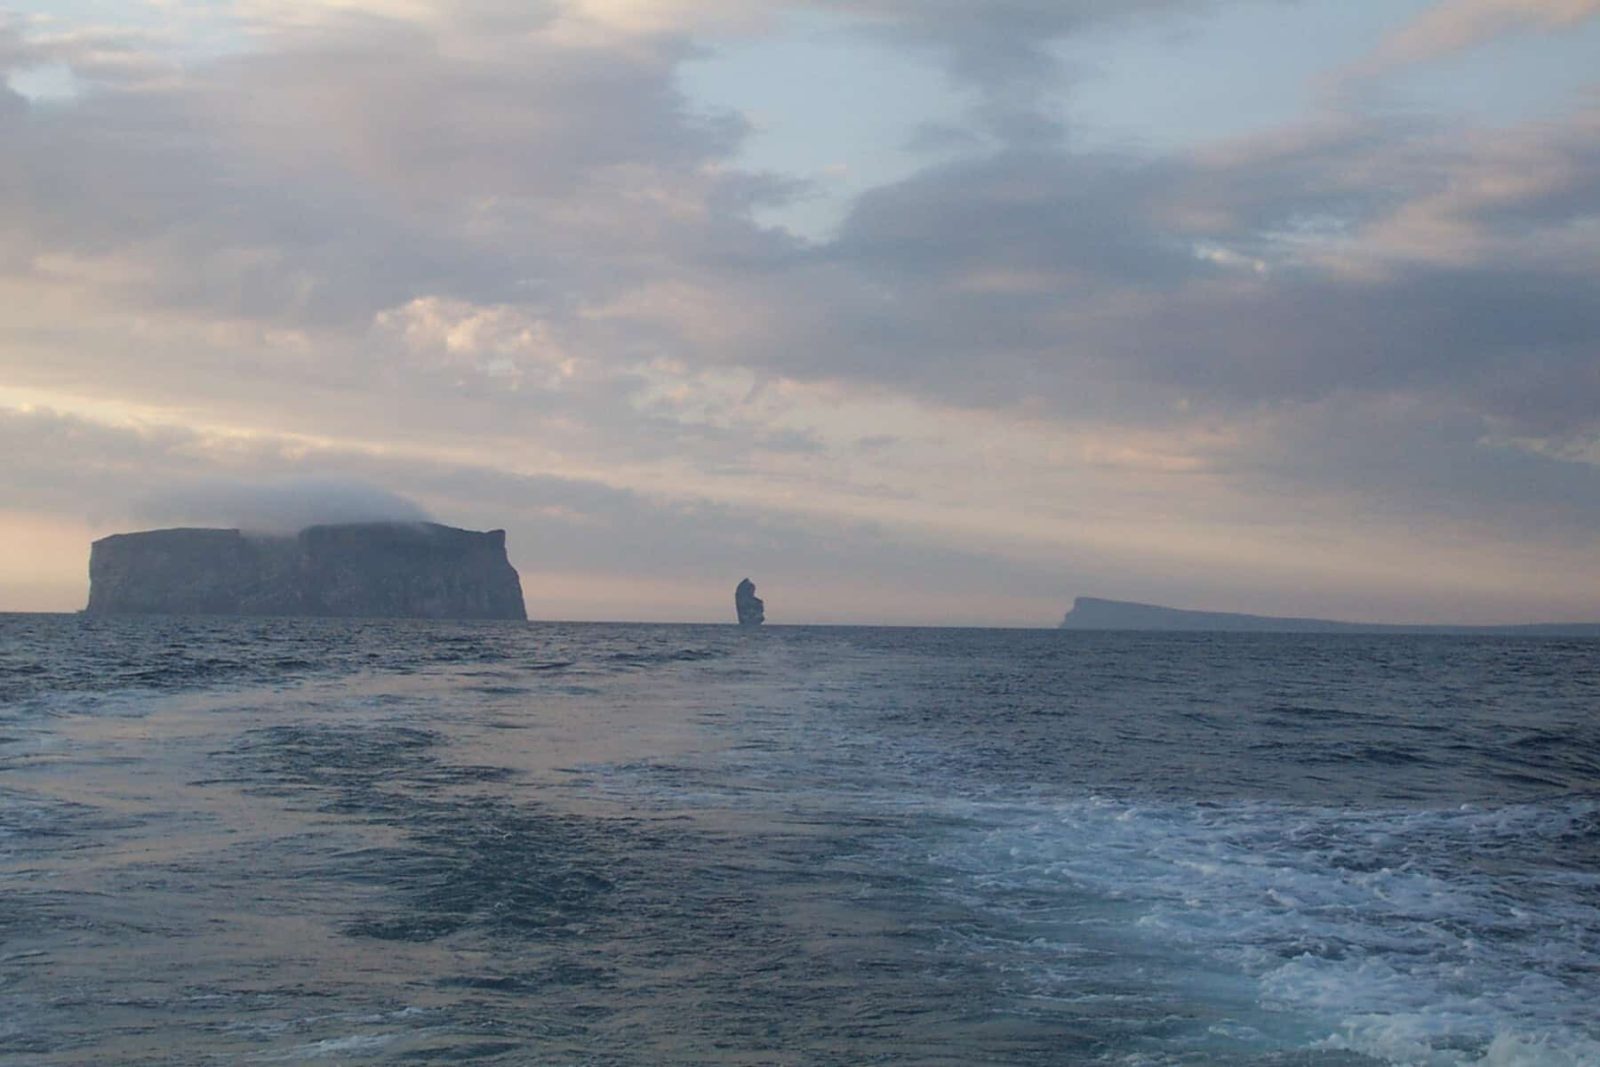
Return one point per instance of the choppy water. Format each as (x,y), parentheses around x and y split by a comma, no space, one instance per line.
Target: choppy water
(250,841)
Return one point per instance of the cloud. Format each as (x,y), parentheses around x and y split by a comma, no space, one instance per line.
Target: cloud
(1452,26)
(490,252)
(279,507)
(1369,258)
(500,341)
(429,206)
(1423,458)
(344,170)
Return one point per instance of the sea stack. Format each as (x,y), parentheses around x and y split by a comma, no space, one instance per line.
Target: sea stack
(393,570)
(752,612)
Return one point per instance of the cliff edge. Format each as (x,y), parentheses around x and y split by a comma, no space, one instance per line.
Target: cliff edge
(360,570)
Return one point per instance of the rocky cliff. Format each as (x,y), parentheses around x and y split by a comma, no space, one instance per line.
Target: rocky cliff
(752,611)
(372,570)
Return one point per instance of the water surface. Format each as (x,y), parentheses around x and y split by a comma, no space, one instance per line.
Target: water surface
(286,841)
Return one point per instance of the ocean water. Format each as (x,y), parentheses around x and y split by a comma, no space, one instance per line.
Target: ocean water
(282,841)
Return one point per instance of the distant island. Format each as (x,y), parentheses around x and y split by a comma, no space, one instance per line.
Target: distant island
(1093,613)
(418,570)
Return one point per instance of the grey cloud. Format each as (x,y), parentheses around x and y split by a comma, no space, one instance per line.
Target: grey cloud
(1311,337)
(1410,456)
(73,466)
(282,506)
(347,168)
(1091,276)
(66,465)
(342,172)
(1116,312)
(1003,48)
(1370,179)
(1023,212)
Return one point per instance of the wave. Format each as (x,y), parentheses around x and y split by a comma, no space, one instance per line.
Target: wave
(1467,937)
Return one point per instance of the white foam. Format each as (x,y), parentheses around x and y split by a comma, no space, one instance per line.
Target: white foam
(1436,938)
(351,1045)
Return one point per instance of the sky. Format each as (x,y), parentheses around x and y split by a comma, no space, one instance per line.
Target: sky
(930,312)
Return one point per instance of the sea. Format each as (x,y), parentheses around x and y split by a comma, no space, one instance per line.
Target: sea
(256,841)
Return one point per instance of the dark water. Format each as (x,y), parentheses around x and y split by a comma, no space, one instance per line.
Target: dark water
(231,841)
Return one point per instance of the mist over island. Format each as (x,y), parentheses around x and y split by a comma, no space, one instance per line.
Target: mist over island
(1097,613)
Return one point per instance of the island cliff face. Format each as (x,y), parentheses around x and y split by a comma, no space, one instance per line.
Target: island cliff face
(360,570)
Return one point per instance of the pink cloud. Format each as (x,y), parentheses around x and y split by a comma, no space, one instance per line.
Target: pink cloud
(1452,26)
